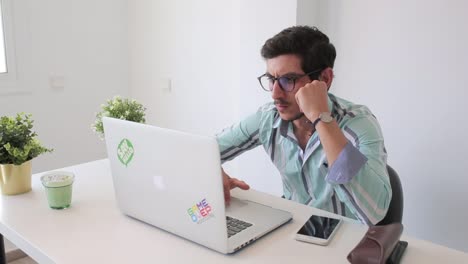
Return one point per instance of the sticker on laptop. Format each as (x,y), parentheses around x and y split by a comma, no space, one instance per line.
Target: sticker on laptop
(200,212)
(125,151)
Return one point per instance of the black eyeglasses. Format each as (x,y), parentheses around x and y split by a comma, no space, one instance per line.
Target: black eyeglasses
(286,83)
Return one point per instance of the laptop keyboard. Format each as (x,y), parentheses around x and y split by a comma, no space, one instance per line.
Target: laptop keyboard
(235,226)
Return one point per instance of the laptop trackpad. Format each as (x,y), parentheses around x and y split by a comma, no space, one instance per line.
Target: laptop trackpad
(236,204)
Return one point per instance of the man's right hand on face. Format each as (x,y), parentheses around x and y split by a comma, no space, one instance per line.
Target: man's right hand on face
(231,183)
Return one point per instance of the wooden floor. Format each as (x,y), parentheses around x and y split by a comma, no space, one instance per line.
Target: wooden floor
(25,260)
(16,256)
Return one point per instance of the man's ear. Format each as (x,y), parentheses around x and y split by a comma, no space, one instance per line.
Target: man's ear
(327,76)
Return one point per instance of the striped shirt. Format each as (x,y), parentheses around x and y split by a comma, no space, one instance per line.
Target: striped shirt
(355,186)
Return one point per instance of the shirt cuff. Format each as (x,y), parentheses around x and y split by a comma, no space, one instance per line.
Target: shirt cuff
(346,166)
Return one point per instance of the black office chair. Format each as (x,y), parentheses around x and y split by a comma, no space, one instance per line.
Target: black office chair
(395,210)
(395,214)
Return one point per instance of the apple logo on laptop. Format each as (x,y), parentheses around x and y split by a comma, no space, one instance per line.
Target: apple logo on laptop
(159,183)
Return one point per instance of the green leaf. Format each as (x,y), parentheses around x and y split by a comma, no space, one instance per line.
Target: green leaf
(18,143)
(122,108)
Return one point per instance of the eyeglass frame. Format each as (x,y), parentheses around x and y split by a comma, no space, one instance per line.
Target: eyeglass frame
(293,78)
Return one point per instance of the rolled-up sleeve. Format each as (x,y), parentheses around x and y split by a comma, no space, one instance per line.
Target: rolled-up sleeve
(347,165)
(359,175)
(239,137)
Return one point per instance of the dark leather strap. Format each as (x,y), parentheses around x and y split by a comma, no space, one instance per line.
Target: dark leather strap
(316,122)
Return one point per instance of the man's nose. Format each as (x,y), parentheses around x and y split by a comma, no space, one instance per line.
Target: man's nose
(276,91)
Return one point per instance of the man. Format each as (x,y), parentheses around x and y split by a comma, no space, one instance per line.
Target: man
(330,152)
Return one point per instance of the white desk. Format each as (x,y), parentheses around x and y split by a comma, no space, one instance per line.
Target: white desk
(93,230)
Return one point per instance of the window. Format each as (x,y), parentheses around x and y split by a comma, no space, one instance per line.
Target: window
(3,62)
(8,80)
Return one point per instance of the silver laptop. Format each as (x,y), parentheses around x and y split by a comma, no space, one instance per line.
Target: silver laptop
(172,180)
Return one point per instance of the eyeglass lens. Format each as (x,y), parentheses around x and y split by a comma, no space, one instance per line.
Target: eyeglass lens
(285,83)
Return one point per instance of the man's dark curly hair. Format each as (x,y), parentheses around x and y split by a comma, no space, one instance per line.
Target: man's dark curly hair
(309,43)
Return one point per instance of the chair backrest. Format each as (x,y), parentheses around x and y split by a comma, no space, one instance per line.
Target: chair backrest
(395,210)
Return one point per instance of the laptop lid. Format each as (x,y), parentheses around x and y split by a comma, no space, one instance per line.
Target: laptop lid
(166,178)
(173,180)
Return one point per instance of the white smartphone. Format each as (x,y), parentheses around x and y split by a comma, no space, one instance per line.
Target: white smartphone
(318,230)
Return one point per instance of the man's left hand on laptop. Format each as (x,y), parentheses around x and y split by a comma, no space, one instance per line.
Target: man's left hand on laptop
(231,183)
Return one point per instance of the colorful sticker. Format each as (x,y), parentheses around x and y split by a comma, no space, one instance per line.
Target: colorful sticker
(200,212)
(125,151)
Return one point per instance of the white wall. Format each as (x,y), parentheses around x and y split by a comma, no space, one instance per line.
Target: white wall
(181,62)
(407,61)
(86,42)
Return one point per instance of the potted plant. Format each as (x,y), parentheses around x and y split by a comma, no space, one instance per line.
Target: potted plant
(18,146)
(121,108)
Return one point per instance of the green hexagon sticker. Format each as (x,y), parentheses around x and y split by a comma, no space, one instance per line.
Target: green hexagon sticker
(125,151)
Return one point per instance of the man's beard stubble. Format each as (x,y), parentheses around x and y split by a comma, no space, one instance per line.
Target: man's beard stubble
(279,101)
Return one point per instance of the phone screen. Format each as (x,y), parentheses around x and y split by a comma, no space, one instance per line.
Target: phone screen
(319,226)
